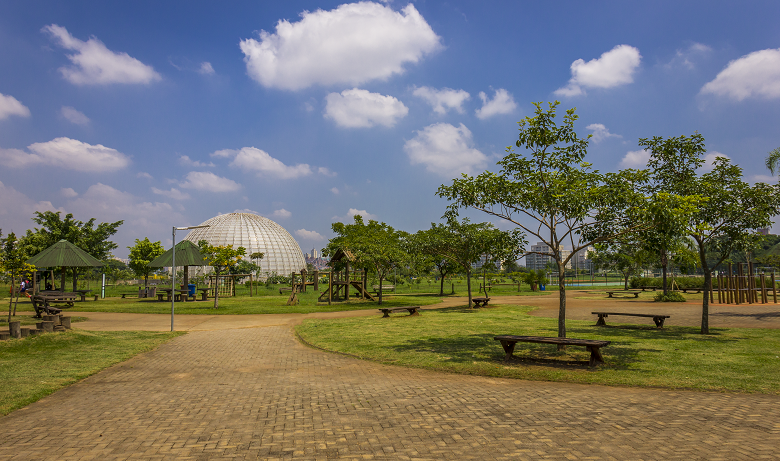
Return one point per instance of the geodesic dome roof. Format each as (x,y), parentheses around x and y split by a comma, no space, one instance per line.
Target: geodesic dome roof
(256,234)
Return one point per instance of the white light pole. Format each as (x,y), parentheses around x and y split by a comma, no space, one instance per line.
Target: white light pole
(173,266)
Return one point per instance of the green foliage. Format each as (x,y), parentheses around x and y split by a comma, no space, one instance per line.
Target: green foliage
(376,246)
(53,228)
(670,297)
(535,278)
(773,160)
(141,254)
(221,258)
(550,191)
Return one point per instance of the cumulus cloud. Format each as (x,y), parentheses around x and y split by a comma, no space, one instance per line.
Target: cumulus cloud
(254,159)
(358,108)
(444,99)
(685,58)
(68,154)
(68,192)
(11,106)
(600,132)
(350,217)
(143,174)
(502,103)
(326,172)
(187,161)
(309,235)
(756,75)
(94,64)
(445,149)
(209,182)
(174,193)
(205,68)
(13,201)
(73,116)
(614,68)
(635,159)
(282,213)
(335,190)
(351,44)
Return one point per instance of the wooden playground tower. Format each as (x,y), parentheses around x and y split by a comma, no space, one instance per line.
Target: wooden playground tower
(744,286)
(341,281)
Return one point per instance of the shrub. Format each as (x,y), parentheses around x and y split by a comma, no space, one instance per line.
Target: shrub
(671,297)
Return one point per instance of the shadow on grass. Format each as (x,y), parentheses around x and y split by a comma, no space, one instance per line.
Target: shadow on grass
(757,316)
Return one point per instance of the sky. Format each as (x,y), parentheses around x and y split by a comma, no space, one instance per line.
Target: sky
(166,114)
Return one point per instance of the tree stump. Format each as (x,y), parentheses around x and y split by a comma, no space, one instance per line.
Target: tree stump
(15,329)
(65,322)
(4,336)
(25,332)
(48,326)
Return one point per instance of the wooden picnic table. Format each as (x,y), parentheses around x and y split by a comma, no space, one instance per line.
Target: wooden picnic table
(508,343)
(83,294)
(41,306)
(181,294)
(481,301)
(204,292)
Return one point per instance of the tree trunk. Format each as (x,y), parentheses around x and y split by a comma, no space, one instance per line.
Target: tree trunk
(216,291)
(11,297)
(705,305)
(146,282)
(664,263)
(561,304)
(441,287)
(380,290)
(75,279)
(625,281)
(468,284)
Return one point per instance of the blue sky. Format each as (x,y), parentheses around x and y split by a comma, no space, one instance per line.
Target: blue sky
(168,113)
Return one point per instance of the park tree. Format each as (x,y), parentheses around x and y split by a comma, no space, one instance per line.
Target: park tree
(375,246)
(221,258)
(464,243)
(626,255)
(730,211)
(94,239)
(141,254)
(773,161)
(421,243)
(13,260)
(550,192)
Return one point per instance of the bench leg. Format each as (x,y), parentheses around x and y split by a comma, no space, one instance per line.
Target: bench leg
(636,295)
(386,313)
(609,295)
(509,348)
(659,322)
(413,311)
(601,322)
(595,356)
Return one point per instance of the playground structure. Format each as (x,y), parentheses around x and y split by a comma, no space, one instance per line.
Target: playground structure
(341,281)
(744,286)
(225,284)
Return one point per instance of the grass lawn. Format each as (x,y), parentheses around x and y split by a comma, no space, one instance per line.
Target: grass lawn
(460,340)
(32,368)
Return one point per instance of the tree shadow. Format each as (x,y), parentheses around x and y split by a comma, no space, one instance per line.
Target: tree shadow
(757,316)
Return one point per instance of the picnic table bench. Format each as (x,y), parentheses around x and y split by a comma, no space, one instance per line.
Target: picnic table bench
(698,290)
(628,292)
(481,301)
(508,343)
(41,306)
(57,297)
(648,288)
(657,318)
(204,293)
(413,310)
(83,294)
(384,288)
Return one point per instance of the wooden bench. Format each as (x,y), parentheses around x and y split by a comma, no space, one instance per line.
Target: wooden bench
(124,295)
(413,310)
(658,319)
(508,343)
(648,288)
(41,306)
(627,292)
(697,290)
(480,302)
(385,288)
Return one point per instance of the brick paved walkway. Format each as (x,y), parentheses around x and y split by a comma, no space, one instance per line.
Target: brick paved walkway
(255,393)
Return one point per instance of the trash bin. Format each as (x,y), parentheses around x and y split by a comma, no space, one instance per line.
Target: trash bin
(191,286)
(541,287)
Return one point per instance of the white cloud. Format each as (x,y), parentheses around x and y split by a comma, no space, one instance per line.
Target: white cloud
(11,106)
(143,174)
(73,116)
(309,235)
(350,217)
(709,160)
(685,58)
(635,159)
(357,108)
(615,67)
(187,161)
(208,181)
(502,103)
(765,178)
(282,213)
(174,193)
(754,75)
(444,99)
(96,64)
(68,154)
(16,209)
(600,132)
(206,68)
(326,172)
(351,44)
(254,159)
(68,192)
(445,150)
(335,190)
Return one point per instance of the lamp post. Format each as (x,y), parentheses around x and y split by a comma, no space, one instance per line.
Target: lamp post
(173,266)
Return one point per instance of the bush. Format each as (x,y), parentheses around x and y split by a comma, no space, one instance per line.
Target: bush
(671,297)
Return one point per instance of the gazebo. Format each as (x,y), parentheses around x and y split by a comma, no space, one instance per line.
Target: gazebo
(187,254)
(65,254)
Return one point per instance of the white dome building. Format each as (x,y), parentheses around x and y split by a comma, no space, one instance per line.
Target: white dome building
(282,255)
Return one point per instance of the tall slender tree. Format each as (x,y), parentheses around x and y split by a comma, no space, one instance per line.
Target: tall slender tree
(141,254)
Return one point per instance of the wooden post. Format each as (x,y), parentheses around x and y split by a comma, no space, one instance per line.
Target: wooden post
(316,275)
(330,286)
(346,279)
(763,289)
(750,282)
(712,296)
(720,288)
(774,292)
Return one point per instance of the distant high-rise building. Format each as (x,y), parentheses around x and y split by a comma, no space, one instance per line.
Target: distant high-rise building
(536,261)
(763,231)
(315,253)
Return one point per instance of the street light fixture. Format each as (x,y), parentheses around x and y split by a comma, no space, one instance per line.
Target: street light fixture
(173,266)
